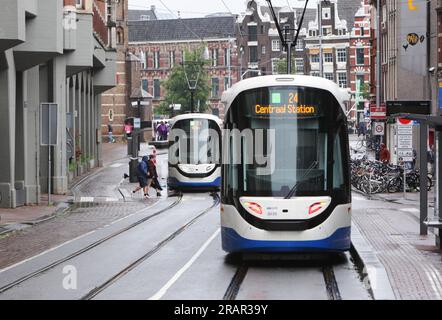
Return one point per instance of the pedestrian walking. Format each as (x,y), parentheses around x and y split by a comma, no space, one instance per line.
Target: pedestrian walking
(384,154)
(143,176)
(361,129)
(154,183)
(162,131)
(110,132)
(414,159)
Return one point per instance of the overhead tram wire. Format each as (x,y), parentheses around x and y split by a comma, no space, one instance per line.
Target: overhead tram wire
(287,44)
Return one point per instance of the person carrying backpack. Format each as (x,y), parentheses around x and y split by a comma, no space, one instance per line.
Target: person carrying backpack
(144,179)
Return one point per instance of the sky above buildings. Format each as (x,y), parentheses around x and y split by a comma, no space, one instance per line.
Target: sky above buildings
(201,8)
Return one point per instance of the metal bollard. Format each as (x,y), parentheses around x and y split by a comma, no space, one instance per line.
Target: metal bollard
(133,168)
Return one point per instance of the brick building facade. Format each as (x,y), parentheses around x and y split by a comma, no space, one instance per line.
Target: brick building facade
(115,102)
(159,46)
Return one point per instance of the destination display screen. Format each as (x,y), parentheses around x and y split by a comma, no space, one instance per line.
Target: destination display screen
(285,102)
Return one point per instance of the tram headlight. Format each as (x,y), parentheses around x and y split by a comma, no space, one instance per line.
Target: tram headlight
(253,206)
(210,167)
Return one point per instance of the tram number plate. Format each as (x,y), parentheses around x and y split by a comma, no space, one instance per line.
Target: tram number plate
(272,211)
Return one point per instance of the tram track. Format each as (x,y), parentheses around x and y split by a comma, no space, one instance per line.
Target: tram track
(102,287)
(331,285)
(330,282)
(92,245)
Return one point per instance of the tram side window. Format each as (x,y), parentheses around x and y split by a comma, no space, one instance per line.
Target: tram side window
(338,170)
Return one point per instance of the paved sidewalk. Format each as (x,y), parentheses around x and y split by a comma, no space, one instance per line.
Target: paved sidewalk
(412,261)
(97,200)
(17,219)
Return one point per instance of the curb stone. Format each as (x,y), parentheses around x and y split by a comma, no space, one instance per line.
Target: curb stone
(377,275)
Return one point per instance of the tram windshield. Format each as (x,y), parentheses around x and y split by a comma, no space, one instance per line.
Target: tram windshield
(302,134)
(198,141)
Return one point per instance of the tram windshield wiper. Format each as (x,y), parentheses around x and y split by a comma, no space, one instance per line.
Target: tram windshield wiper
(304,176)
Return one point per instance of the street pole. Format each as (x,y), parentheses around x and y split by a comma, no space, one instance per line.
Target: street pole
(289,57)
(229,63)
(191,101)
(378,57)
(321,68)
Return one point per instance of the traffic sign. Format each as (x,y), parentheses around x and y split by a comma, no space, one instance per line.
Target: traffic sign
(378,112)
(405,142)
(405,129)
(378,128)
(405,153)
(404,121)
(137,123)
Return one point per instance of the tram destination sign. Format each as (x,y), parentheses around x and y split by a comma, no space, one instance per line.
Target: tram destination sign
(413,107)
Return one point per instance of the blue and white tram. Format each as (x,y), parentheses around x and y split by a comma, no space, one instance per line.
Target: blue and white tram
(195,152)
(286,184)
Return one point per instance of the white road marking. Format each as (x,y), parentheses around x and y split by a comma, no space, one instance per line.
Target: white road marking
(111,200)
(357,198)
(163,290)
(116,165)
(87,199)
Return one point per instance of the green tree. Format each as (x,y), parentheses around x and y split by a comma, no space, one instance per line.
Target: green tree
(177,89)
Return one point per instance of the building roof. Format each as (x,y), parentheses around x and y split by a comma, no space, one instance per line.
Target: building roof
(181,29)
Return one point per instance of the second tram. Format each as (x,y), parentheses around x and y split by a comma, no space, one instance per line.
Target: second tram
(195,152)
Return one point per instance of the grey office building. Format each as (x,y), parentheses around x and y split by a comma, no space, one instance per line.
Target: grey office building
(59,52)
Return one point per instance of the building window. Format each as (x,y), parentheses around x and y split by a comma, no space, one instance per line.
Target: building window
(253,36)
(299,45)
(328,57)
(144,84)
(314,74)
(253,54)
(360,56)
(263,50)
(226,83)
(326,31)
(226,57)
(156,89)
(276,45)
(215,87)
(183,56)
(326,13)
(362,31)
(263,29)
(314,58)
(299,66)
(144,17)
(171,59)
(342,79)
(329,76)
(342,55)
(120,37)
(79,4)
(214,57)
(156,60)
